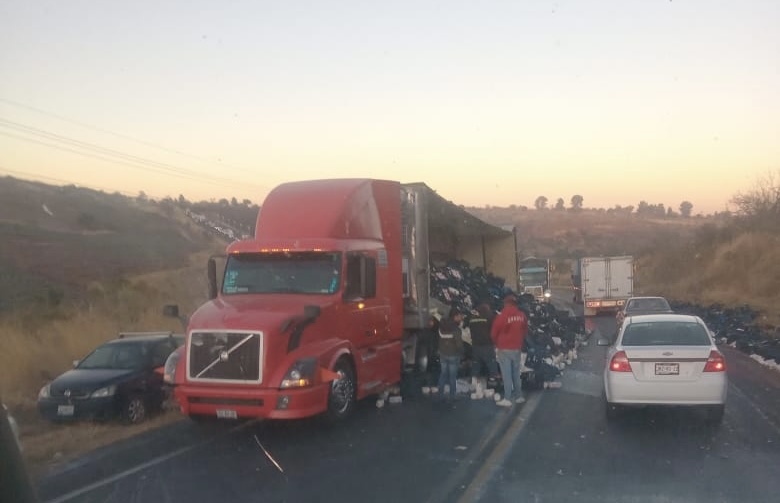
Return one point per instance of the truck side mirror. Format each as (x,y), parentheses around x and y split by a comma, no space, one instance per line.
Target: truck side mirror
(212,278)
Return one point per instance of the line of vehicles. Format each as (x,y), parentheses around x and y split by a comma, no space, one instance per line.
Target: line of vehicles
(329,303)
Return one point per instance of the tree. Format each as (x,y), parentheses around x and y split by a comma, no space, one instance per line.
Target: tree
(685,208)
(576,202)
(763,200)
(560,205)
(142,197)
(540,203)
(246,202)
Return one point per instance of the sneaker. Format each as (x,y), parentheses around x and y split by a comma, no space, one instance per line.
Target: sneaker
(504,403)
(520,400)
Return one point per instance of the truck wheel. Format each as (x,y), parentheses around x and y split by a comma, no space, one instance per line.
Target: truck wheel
(134,410)
(341,399)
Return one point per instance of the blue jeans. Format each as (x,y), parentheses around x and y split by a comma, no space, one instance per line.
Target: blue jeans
(509,362)
(484,362)
(449,374)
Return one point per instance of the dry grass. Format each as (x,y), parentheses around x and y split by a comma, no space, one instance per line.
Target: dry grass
(38,346)
(740,270)
(53,444)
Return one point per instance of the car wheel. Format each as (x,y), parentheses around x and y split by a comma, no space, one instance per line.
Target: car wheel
(134,410)
(341,399)
(715,414)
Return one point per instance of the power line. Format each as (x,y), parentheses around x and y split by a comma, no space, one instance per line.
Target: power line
(123,136)
(114,156)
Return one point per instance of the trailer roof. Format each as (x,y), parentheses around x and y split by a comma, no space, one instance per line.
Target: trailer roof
(444,214)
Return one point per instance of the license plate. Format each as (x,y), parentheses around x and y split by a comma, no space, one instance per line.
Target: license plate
(667,369)
(65,410)
(609,303)
(226,414)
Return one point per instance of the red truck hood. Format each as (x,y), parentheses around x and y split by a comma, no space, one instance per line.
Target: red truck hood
(253,312)
(266,313)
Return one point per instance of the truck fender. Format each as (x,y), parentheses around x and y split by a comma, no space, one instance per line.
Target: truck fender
(344,351)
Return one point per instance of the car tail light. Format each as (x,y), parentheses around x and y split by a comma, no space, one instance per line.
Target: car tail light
(715,363)
(619,362)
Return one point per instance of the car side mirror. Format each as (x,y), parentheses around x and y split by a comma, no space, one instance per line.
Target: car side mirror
(603,342)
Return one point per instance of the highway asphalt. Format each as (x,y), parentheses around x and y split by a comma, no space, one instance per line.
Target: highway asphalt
(557,447)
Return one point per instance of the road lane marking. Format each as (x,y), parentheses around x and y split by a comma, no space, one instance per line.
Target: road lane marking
(443,492)
(496,460)
(143,466)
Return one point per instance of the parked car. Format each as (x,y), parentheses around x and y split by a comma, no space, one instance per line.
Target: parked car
(121,378)
(665,359)
(642,305)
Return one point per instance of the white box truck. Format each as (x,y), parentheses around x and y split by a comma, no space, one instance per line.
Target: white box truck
(603,283)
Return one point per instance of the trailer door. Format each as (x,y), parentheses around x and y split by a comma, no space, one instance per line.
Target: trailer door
(594,279)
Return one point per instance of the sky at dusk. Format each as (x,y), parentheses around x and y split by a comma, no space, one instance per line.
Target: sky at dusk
(489,103)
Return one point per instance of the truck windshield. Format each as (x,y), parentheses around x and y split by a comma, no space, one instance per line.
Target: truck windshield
(283,272)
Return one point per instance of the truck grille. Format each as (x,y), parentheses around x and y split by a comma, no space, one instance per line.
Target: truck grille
(226,357)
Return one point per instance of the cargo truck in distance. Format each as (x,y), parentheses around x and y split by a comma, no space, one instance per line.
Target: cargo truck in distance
(329,301)
(603,283)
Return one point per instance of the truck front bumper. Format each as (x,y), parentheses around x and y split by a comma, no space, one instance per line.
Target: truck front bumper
(235,403)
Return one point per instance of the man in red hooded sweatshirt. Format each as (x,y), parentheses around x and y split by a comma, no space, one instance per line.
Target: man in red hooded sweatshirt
(508,333)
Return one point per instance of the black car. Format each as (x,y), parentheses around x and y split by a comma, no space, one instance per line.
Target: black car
(122,378)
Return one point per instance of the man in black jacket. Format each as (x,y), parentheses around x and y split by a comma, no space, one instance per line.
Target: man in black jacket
(483,351)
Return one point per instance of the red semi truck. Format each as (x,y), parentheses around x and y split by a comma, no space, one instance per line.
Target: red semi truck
(329,301)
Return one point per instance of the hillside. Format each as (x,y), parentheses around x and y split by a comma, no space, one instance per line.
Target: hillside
(706,260)
(55,241)
(567,234)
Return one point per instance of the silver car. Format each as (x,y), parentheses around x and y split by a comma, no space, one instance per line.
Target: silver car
(665,359)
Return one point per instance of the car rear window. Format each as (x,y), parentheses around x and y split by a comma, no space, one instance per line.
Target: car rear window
(648,305)
(665,333)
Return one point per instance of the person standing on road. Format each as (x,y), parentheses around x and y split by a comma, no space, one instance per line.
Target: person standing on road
(450,351)
(483,349)
(508,333)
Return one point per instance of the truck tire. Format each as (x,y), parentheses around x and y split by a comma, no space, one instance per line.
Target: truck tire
(343,391)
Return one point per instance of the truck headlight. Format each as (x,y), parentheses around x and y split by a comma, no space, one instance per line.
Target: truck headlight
(300,374)
(169,372)
(104,392)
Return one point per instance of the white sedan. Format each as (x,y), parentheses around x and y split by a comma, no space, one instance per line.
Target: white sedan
(665,359)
